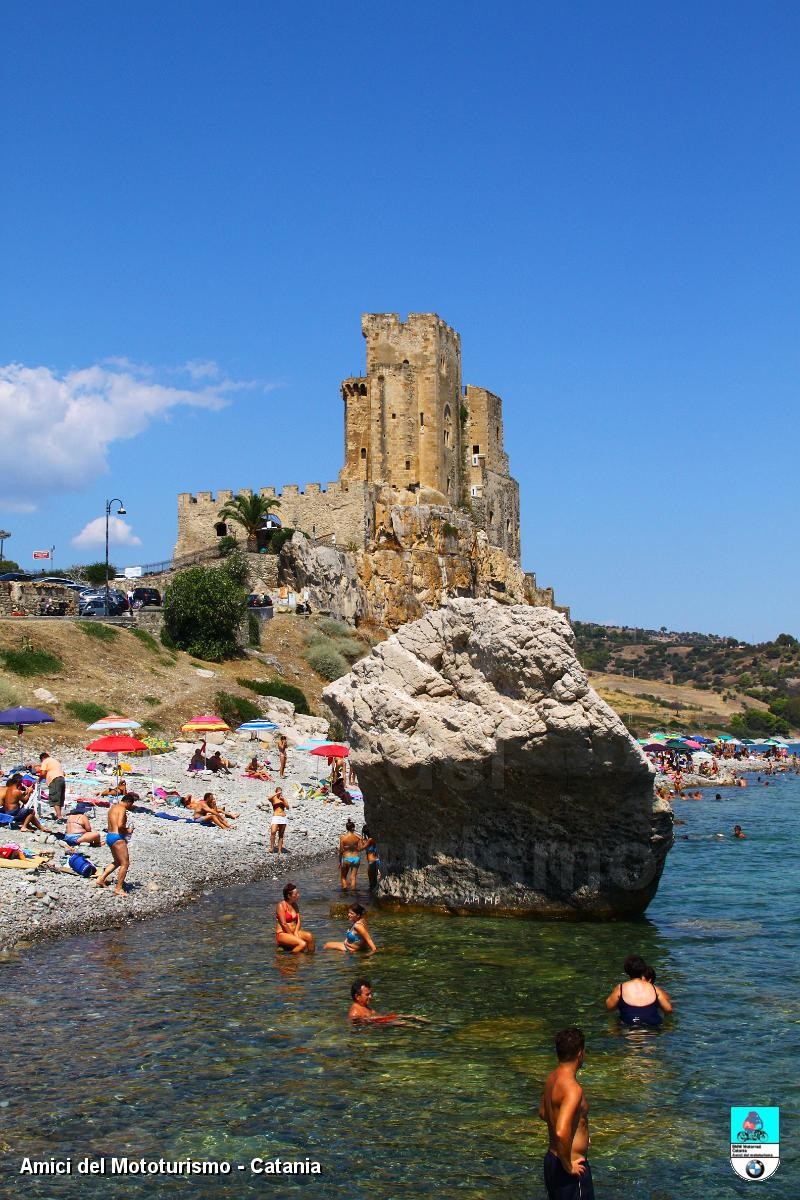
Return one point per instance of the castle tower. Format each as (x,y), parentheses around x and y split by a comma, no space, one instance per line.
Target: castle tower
(403,418)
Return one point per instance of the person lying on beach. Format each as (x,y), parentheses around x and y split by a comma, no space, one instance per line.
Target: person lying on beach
(642,1003)
(119,832)
(14,799)
(361,1009)
(116,789)
(202,813)
(78,831)
(256,771)
(211,800)
(219,765)
(357,938)
(288,933)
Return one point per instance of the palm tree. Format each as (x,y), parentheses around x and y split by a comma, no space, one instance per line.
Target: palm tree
(250,512)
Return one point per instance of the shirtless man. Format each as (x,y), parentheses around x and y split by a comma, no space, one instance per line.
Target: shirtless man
(567,1175)
(361,1009)
(78,831)
(117,841)
(203,813)
(13,799)
(52,772)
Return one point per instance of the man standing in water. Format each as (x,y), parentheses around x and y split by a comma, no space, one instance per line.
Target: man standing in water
(567,1175)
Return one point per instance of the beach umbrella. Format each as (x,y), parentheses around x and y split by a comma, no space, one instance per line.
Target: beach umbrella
(311,744)
(24,716)
(656,737)
(157,745)
(205,724)
(116,743)
(655,747)
(704,741)
(256,726)
(731,741)
(331,750)
(113,722)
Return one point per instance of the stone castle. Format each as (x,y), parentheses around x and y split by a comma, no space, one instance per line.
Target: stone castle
(414,439)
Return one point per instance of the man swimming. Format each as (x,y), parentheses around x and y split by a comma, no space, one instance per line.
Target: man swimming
(738,832)
(361,1009)
(117,841)
(567,1175)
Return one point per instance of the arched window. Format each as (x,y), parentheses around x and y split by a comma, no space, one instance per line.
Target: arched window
(448,424)
(221,529)
(363,452)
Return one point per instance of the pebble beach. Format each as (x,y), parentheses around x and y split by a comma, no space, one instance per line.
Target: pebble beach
(172,862)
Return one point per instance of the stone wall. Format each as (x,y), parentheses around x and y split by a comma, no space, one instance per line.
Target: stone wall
(341,511)
(27,598)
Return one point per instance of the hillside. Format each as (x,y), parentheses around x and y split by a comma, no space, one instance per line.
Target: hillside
(754,688)
(120,671)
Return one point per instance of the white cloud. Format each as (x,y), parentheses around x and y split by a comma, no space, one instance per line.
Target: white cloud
(56,429)
(94,534)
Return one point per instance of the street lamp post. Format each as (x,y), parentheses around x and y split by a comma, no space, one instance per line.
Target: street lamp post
(121,512)
(3,535)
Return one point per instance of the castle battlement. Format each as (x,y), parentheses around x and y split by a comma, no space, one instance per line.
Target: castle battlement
(410,427)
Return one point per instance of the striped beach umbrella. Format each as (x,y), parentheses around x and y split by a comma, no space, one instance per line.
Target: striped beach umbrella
(257,727)
(113,722)
(207,723)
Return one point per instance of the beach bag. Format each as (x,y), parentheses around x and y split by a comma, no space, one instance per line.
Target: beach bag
(82,865)
(11,851)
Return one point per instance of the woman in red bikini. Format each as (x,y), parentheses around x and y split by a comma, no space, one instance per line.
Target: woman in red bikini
(288,934)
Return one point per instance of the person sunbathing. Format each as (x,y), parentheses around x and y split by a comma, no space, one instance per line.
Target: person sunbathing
(256,771)
(197,761)
(203,814)
(219,765)
(78,831)
(116,789)
(211,800)
(14,799)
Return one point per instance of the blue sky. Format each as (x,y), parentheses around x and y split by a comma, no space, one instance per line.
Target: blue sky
(200,199)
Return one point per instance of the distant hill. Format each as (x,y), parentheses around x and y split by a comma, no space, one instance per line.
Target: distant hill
(737,672)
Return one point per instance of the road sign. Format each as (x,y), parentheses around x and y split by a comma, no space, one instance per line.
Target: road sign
(41,554)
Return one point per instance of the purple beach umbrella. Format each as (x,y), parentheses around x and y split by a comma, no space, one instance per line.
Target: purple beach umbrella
(24,716)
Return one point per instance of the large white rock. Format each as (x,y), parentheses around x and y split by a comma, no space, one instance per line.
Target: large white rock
(494,776)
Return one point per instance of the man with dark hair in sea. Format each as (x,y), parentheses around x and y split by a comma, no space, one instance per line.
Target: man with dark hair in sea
(563,1106)
(361,1009)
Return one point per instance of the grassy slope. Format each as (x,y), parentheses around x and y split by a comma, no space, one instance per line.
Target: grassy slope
(119,674)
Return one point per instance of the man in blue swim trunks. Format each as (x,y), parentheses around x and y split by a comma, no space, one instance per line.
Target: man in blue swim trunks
(567,1175)
(117,841)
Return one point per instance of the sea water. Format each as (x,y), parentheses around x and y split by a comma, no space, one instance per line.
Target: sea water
(190,1039)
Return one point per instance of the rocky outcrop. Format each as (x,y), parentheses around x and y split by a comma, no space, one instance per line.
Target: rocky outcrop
(421,555)
(494,777)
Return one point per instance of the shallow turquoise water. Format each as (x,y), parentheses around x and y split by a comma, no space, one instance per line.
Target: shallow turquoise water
(188,1037)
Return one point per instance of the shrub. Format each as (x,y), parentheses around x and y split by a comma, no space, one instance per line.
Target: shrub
(146,639)
(100,632)
(85,710)
(95,573)
(166,640)
(333,628)
(235,567)
(9,694)
(336,731)
(277,540)
(253,629)
(351,648)
(203,610)
(8,564)
(754,721)
(153,701)
(283,691)
(226,544)
(328,663)
(235,709)
(29,661)
(449,530)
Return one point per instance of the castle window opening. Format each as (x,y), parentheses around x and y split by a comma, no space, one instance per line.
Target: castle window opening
(497,432)
(408,464)
(421,419)
(221,529)
(476,449)
(363,452)
(394,416)
(508,525)
(447,424)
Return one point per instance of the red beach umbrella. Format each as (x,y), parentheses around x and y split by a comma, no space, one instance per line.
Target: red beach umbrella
(331,750)
(116,744)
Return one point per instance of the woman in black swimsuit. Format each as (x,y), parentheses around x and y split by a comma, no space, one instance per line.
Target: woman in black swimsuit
(639,1002)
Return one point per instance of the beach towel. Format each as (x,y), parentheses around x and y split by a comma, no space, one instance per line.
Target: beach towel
(24,864)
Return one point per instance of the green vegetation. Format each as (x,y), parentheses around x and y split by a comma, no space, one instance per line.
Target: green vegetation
(327,662)
(98,631)
(29,661)
(253,629)
(249,513)
(283,691)
(146,639)
(9,693)
(203,610)
(8,564)
(332,628)
(86,710)
(769,672)
(449,530)
(234,709)
(153,701)
(95,573)
(336,731)
(277,538)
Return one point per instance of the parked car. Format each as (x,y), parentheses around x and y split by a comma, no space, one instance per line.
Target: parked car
(14,576)
(117,605)
(142,597)
(70,583)
(257,600)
